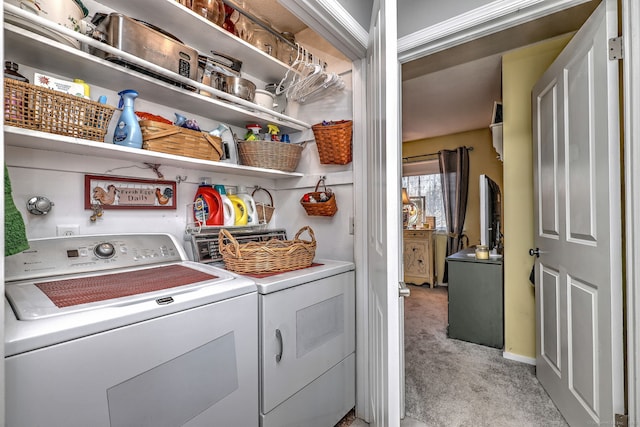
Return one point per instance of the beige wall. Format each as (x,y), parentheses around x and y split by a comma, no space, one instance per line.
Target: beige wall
(482,160)
(520,71)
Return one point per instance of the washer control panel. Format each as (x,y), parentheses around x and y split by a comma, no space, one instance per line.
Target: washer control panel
(91,253)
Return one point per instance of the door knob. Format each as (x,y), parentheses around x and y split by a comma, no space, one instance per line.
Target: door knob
(403,290)
(535,252)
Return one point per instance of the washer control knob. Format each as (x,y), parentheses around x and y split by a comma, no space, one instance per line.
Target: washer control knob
(104,250)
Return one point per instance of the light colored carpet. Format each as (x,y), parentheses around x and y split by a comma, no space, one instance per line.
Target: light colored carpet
(456,383)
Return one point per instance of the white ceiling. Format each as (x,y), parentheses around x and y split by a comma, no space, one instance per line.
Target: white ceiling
(454,91)
(452,100)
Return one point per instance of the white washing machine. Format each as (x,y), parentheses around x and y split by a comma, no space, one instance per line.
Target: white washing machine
(122,331)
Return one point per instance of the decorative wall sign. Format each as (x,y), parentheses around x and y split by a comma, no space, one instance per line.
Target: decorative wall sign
(128,193)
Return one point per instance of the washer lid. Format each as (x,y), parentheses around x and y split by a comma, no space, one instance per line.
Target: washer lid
(64,295)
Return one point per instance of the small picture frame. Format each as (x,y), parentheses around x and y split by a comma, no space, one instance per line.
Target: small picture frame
(416,211)
(110,192)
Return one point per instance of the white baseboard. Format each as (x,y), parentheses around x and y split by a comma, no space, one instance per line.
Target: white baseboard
(519,358)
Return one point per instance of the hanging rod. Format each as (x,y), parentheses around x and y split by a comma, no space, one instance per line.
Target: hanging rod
(406,159)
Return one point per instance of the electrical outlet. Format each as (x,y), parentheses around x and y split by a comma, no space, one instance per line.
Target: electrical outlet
(67,230)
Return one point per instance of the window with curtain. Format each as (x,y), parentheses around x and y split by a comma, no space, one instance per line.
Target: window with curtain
(423,179)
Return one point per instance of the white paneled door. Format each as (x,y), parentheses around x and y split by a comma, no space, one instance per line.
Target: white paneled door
(383,210)
(579,335)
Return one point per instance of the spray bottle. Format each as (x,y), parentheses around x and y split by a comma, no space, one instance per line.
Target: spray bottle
(128,132)
(227,206)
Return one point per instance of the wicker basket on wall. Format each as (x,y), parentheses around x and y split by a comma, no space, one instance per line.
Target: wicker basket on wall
(265,211)
(334,142)
(318,207)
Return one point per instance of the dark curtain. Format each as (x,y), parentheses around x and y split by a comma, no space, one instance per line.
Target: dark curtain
(454,173)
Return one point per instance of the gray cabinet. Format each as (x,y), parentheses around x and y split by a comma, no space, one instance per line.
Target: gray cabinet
(476,307)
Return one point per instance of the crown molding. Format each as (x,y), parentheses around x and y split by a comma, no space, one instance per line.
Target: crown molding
(331,20)
(491,18)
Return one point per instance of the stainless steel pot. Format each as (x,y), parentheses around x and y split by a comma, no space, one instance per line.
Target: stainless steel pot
(237,86)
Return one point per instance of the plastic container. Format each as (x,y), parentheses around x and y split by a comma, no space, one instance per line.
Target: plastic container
(208,208)
(239,208)
(85,87)
(252,212)
(227,207)
(128,132)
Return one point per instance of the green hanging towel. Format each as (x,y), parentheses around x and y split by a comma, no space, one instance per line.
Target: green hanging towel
(15,234)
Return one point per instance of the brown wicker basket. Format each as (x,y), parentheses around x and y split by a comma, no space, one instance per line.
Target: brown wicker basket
(270,154)
(267,257)
(318,208)
(39,108)
(334,142)
(170,139)
(265,211)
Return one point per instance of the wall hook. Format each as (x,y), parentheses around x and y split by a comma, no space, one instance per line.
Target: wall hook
(180,178)
(156,168)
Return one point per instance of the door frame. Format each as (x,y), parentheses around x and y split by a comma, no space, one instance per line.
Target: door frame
(496,16)
(491,18)
(631,131)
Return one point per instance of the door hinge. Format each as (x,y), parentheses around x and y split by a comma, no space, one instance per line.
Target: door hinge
(622,420)
(615,49)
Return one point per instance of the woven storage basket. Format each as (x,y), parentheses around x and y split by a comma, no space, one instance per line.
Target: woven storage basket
(270,154)
(267,257)
(170,139)
(39,108)
(265,211)
(334,142)
(318,208)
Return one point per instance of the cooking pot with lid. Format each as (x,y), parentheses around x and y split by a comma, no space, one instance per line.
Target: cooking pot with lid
(222,72)
(145,41)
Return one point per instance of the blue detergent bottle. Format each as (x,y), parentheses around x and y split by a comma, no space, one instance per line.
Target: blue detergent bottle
(128,132)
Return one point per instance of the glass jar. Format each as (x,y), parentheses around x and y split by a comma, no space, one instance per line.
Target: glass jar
(287,52)
(482,252)
(265,40)
(213,10)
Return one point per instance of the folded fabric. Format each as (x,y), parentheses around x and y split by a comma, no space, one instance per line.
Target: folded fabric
(15,234)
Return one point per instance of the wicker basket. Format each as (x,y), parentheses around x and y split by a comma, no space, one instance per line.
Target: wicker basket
(265,211)
(270,154)
(318,208)
(334,142)
(267,257)
(39,108)
(170,139)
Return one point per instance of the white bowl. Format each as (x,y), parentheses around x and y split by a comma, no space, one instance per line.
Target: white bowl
(264,99)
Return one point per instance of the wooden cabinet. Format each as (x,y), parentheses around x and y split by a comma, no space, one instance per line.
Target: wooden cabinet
(418,257)
(476,299)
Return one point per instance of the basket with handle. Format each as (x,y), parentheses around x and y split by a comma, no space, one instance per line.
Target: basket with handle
(170,139)
(265,211)
(320,203)
(333,141)
(267,257)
